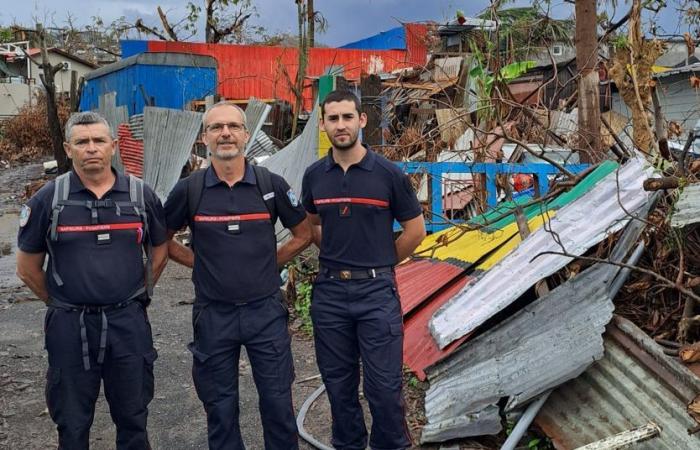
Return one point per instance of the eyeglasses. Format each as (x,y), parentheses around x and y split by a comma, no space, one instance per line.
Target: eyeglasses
(217,128)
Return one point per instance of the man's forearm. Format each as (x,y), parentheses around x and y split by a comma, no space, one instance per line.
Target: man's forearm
(290,249)
(180,254)
(36,282)
(316,235)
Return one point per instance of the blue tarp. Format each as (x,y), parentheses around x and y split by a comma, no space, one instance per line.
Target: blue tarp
(394,39)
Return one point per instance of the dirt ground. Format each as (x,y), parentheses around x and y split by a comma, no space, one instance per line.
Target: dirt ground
(177,420)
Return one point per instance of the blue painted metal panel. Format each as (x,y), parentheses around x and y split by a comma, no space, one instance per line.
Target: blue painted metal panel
(131,48)
(167,86)
(394,39)
(435,171)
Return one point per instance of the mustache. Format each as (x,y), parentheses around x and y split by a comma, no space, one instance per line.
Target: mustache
(225,141)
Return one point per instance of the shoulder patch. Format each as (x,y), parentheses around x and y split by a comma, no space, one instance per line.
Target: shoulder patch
(24,215)
(293,199)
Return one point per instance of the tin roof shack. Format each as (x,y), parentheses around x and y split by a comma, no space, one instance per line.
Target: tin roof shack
(168,80)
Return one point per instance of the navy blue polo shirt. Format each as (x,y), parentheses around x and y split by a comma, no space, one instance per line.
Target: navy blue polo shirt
(357,209)
(92,273)
(235,248)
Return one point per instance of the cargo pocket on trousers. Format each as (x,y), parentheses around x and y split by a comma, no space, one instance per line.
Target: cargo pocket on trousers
(285,366)
(148,379)
(53,381)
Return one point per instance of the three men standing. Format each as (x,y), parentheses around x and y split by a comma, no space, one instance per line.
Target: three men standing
(353,196)
(93,220)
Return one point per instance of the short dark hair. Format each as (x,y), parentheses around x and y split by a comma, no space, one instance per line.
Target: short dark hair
(340,95)
(85,118)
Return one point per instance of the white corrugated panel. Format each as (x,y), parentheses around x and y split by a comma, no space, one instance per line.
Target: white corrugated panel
(576,228)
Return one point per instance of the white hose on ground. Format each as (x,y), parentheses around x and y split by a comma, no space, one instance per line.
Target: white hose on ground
(302,415)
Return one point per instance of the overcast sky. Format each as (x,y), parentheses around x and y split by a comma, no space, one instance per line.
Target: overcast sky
(349,20)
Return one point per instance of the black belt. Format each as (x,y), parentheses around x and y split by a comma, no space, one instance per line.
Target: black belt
(356,274)
(91,309)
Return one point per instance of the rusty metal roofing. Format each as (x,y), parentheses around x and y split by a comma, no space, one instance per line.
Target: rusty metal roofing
(546,343)
(419,348)
(130,151)
(578,226)
(634,384)
(417,280)
(687,208)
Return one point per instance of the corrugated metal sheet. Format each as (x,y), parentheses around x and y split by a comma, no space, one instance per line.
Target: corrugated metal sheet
(687,208)
(578,226)
(546,343)
(168,137)
(167,86)
(447,68)
(115,116)
(419,279)
(291,161)
(136,126)
(419,348)
(262,146)
(131,151)
(635,383)
(259,71)
(256,112)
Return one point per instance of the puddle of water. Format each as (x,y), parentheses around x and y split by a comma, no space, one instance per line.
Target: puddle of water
(8,235)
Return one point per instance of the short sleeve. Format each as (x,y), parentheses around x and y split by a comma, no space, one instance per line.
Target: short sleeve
(307,198)
(404,204)
(34,221)
(287,203)
(156,218)
(176,214)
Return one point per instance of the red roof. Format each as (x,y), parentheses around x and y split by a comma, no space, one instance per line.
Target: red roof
(266,72)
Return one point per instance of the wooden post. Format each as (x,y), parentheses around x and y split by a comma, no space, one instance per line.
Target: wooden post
(371,88)
(588,85)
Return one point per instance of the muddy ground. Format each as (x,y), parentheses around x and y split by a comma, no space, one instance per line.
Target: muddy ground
(176,419)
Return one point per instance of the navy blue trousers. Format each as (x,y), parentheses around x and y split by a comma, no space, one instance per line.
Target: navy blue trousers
(127,374)
(353,320)
(220,329)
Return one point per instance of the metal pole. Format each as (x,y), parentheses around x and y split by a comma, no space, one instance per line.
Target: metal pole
(524,422)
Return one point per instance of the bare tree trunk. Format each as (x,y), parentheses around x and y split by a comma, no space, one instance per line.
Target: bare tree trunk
(54,123)
(301,71)
(311,23)
(588,85)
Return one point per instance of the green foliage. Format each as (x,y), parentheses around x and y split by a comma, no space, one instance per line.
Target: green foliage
(302,305)
(412,381)
(5,35)
(620,41)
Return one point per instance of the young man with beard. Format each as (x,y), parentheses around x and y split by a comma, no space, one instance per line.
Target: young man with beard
(352,197)
(235,274)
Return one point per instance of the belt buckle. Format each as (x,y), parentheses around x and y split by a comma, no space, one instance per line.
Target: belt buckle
(345,274)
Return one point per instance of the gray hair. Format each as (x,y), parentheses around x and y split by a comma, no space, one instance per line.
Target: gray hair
(225,103)
(86,118)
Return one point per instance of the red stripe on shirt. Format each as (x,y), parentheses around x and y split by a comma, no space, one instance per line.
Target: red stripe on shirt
(240,217)
(355,200)
(99,227)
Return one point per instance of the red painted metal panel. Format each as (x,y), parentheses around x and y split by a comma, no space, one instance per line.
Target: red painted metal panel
(418,280)
(419,348)
(267,72)
(130,151)
(417,42)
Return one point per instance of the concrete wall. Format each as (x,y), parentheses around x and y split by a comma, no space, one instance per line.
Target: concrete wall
(13,96)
